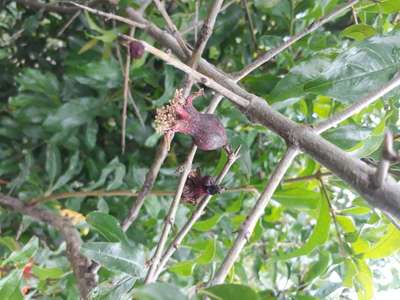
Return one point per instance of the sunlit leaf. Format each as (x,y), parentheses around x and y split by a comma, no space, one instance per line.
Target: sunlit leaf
(318,236)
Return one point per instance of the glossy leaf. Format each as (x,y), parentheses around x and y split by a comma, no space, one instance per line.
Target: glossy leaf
(318,236)
(183,268)
(107,226)
(156,291)
(117,257)
(208,253)
(359,32)
(387,245)
(231,292)
(318,268)
(23,255)
(9,286)
(208,224)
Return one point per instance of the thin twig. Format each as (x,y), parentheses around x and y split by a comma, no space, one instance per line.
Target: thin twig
(151,177)
(126,94)
(309,177)
(123,193)
(255,214)
(197,24)
(353,11)
(109,16)
(196,19)
(314,26)
(68,23)
(251,25)
(170,219)
(36,5)
(324,192)
(358,106)
(171,26)
(80,264)
(174,245)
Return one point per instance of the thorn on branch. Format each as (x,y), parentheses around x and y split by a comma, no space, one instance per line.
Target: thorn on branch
(389,155)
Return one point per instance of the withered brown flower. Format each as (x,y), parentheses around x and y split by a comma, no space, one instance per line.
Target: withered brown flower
(197,186)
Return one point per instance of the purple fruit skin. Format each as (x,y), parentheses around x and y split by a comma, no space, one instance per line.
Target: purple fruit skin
(206,129)
(210,134)
(136,49)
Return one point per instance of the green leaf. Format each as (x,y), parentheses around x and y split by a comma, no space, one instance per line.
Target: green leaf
(384,6)
(347,136)
(208,253)
(73,168)
(47,273)
(9,242)
(23,255)
(101,75)
(115,170)
(319,235)
(297,198)
(91,134)
(206,225)
(121,289)
(183,268)
(92,24)
(318,268)
(9,285)
(357,210)
(365,289)
(107,226)
(46,84)
(298,76)
(157,291)
(169,87)
(117,257)
(387,245)
(359,32)
(346,223)
(88,45)
(360,70)
(53,162)
(231,292)
(349,273)
(74,113)
(235,205)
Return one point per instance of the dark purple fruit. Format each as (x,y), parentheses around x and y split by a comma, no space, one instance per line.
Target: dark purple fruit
(136,49)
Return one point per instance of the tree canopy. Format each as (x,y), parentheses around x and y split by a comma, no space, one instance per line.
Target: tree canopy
(303,201)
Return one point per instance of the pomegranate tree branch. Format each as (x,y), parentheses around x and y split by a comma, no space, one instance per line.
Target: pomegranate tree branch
(174,245)
(170,219)
(355,172)
(255,214)
(50,7)
(80,264)
(314,26)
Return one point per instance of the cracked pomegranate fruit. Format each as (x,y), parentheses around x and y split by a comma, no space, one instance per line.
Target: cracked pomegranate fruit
(181,116)
(197,186)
